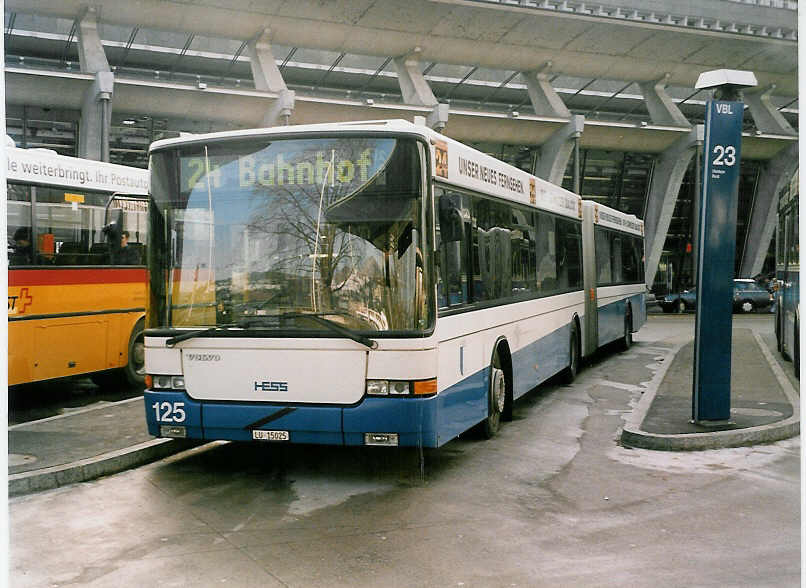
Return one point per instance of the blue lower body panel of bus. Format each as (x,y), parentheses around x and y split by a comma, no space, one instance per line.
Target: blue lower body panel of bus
(414,420)
(611,317)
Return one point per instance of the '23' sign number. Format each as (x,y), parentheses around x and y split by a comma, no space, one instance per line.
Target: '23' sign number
(725,155)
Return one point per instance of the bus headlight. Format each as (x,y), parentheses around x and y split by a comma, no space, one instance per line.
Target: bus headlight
(161,382)
(398,388)
(378,387)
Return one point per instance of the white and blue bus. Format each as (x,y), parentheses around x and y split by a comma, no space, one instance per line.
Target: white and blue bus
(787,275)
(371,283)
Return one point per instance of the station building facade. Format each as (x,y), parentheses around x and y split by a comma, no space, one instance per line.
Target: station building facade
(598,97)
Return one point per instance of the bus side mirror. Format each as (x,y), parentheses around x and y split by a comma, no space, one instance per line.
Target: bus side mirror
(451,225)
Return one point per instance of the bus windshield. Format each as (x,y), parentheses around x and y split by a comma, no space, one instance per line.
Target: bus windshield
(257,234)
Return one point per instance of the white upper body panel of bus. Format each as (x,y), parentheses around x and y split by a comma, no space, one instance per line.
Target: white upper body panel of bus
(610,218)
(453,162)
(48,168)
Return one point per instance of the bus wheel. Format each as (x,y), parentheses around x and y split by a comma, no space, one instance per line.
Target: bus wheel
(778,328)
(571,371)
(626,341)
(496,399)
(135,370)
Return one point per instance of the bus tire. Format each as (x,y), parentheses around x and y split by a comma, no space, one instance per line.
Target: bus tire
(134,372)
(778,328)
(626,341)
(570,373)
(496,399)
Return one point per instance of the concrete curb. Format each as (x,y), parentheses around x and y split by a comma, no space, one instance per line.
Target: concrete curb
(633,436)
(95,467)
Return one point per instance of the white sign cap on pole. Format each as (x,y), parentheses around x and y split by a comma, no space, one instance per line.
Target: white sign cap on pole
(720,77)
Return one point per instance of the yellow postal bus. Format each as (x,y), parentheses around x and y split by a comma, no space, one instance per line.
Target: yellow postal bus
(76,239)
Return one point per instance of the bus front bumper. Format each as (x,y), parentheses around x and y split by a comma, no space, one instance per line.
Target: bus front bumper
(405,422)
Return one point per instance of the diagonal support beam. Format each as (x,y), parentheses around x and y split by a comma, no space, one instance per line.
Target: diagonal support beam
(767,118)
(661,107)
(413,86)
(545,100)
(91,55)
(667,177)
(268,78)
(775,175)
(556,151)
(265,72)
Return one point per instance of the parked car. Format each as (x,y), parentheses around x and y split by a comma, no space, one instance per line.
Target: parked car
(747,297)
(679,301)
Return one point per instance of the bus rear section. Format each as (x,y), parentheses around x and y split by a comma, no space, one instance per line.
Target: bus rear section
(75,305)
(613,250)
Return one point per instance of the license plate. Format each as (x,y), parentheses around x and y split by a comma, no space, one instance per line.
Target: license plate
(270,435)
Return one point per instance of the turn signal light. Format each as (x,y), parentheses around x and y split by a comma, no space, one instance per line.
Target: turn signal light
(425,387)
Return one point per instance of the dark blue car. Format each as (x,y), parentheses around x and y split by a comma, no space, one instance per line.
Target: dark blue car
(747,297)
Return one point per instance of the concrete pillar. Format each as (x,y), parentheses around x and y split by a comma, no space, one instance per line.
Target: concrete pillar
(96,118)
(662,109)
(555,153)
(545,100)
(667,176)
(268,78)
(766,116)
(96,109)
(413,86)
(763,218)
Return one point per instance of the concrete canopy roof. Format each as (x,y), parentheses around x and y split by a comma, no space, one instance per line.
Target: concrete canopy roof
(454,31)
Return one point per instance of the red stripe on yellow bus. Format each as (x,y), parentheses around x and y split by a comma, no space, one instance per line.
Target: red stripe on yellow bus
(60,276)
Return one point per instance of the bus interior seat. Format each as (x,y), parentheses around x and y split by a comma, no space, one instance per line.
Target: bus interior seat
(99,253)
(140,248)
(71,253)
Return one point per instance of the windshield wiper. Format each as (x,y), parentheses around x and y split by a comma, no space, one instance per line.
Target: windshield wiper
(200,333)
(317,317)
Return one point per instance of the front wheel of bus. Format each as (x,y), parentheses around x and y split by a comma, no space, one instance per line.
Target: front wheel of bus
(135,370)
(496,399)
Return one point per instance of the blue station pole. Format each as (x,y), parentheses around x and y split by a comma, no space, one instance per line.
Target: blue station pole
(716,253)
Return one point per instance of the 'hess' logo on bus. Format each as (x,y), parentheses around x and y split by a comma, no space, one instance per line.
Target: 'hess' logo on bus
(267,386)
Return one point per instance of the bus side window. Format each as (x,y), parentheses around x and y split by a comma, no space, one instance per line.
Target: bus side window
(569,266)
(452,250)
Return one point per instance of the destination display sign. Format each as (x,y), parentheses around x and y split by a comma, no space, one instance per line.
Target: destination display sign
(613,219)
(464,167)
(341,164)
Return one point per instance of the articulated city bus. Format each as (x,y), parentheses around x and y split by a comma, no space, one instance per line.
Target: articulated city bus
(76,298)
(787,275)
(371,283)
